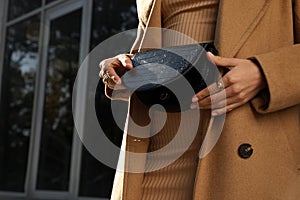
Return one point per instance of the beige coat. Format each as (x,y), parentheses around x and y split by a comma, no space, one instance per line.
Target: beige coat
(267,30)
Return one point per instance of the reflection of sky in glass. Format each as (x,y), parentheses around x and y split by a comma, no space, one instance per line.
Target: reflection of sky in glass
(27,61)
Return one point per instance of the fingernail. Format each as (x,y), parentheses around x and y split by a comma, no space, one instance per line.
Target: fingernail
(210,56)
(210,53)
(130,65)
(117,81)
(214,114)
(194,99)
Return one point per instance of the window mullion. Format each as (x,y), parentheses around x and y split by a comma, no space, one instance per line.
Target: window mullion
(23,17)
(37,109)
(77,146)
(33,12)
(3,16)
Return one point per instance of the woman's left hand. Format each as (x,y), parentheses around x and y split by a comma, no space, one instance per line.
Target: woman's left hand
(241,83)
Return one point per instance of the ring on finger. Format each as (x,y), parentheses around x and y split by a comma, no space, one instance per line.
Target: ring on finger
(105,78)
(220,85)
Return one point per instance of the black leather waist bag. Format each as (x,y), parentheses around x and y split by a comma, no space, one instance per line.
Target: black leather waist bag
(171,76)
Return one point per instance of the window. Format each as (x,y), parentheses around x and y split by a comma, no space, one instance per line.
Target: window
(18,85)
(40,156)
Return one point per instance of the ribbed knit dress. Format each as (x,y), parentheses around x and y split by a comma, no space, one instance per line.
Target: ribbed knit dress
(196,19)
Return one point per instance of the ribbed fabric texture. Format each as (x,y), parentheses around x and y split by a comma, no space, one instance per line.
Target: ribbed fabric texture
(197,20)
(193,18)
(176,180)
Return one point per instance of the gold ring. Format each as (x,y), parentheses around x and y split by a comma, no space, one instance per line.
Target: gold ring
(105,78)
(220,85)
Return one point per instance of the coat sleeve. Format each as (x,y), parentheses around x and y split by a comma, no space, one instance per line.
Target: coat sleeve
(282,72)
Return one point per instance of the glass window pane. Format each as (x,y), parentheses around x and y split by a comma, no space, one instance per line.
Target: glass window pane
(16,8)
(57,131)
(109,17)
(50,1)
(18,84)
(96,179)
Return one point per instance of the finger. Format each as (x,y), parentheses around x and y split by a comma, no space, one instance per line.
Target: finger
(206,92)
(105,78)
(217,104)
(104,64)
(115,66)
(221,111)
(216,101)
(210,56)
(222,61)
(101,73)
(125,61)
(223,103)
(209,91)
(111,84)
(113,76)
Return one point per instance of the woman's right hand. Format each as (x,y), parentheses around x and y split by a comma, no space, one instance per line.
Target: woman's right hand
(111,70)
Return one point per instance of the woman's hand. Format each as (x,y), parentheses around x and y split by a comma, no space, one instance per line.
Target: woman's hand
(241,83)
(112,69)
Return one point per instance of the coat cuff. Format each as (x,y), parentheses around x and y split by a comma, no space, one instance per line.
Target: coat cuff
(282,71)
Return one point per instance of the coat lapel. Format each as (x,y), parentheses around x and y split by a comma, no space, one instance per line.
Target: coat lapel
(236,21)
(153,32)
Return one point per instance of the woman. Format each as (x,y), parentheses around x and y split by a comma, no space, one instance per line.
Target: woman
(257,155)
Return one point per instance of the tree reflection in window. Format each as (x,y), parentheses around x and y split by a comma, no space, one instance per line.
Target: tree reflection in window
(18,84)
(16,8)
(57,130)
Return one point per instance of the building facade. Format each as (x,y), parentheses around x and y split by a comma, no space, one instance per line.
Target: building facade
(42,44)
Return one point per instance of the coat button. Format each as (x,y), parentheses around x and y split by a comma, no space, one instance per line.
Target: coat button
(245,150)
